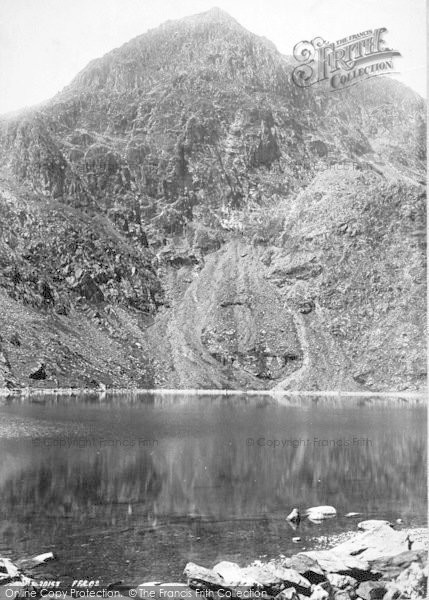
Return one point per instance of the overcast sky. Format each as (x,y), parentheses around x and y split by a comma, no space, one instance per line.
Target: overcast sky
(44,43)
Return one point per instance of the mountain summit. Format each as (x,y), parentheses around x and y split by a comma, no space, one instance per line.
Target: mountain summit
(213,15)
(211,45)
(183,215)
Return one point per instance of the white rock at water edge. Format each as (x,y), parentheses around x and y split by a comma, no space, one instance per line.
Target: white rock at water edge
(229,571)
(373,524)
(321,512)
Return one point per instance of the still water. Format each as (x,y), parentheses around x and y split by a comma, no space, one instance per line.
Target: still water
(133,488)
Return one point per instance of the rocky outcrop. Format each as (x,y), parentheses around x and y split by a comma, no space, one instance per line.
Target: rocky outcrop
(126,187)
(7,379)
(336,574)
(373,565)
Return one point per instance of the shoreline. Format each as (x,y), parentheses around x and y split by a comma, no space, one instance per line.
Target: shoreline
(378,562)
(26,392)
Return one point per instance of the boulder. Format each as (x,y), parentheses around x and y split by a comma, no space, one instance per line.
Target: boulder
(230,572)
(30,563)
(39,372)
(412,582)
(294,516)
(291,578)
(200,577)
(377,543)
(371,590)
(392,566)
(269,578)
(343,595)
(307,567)
(373,524)
(319,593)
(316,517)
(325,511)
(8,571)
(334,561)
(266,578)
(341,581)
(392,592)
(288,594)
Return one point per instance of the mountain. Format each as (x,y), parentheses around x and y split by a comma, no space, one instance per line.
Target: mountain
(183,215)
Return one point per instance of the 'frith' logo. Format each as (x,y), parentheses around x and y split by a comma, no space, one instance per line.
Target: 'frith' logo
(342,64)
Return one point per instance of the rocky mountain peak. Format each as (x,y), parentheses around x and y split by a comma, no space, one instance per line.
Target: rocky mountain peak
(213,15)
(187,161)
(212,44)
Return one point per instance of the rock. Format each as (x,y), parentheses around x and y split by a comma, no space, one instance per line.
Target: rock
(377,544)
(334,561)
(46,293)
(240,582)
(8,571)
(325,511)
(294,516)
(123,155)
(306,307)
(42,558)
(371,590)
(341,581)
(271,578)
(307,567)
(30,563)
(266,257)
(343,595)
(262,579)
(291,578)
(39,373)
(89,289)
(229,571)
(319,593)
(316,517)
(373,524)
(392,592)
(288,594)
(200,577)
(7,380)
(15,340)
(412,582)
(392,566)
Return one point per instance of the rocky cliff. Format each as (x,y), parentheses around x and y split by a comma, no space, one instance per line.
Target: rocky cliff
(183,215)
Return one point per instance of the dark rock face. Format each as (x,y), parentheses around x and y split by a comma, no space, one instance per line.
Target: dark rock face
(192,139)
(39,373)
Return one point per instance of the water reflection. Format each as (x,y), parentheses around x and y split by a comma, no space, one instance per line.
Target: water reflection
(163,482)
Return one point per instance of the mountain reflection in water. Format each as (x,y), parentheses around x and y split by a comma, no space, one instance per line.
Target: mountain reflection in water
(135,487)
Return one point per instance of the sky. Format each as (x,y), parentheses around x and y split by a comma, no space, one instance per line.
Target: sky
(45,43)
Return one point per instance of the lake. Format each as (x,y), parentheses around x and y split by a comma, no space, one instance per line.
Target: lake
(134,487)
